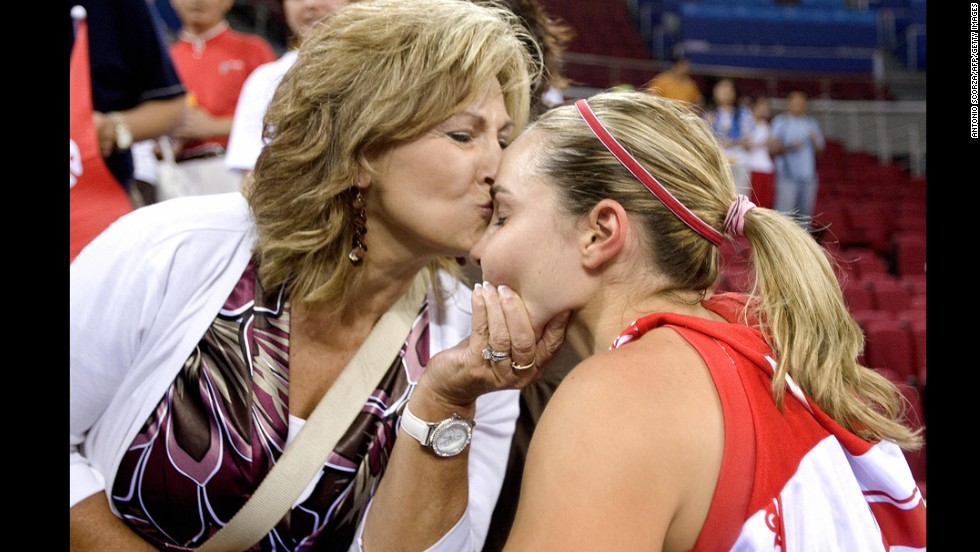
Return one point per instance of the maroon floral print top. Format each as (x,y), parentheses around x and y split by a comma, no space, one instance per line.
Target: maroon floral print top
(223,424)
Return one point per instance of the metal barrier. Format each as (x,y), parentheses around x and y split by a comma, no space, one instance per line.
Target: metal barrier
(890,130)
(887,129)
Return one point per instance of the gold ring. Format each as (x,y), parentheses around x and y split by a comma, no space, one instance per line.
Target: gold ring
(520,367)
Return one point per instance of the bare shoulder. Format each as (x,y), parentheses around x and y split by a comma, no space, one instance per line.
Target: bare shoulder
(639,430)
(656,367)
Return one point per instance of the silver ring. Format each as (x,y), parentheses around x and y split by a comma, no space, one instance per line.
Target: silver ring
(521,367)
(496,356)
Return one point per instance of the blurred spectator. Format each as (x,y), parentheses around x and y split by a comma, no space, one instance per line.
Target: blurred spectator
(553,35)
(136,92)
(732,124)
(795,142)
(245,141)
(676,83)
(757,159)
(213,60)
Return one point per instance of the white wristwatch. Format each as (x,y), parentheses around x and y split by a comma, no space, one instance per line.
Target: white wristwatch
(124,137)
(446,438)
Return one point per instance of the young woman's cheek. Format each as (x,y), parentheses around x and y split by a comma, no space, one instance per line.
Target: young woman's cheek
(501,260)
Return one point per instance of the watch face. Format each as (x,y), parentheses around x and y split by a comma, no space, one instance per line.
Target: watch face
(451,436)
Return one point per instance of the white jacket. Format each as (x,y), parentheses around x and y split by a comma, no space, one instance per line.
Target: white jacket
(141,296)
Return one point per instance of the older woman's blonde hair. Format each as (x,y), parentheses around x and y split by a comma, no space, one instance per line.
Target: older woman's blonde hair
(376,74)
(796,298)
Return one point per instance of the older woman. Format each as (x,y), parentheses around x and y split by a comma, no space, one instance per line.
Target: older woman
(206,331)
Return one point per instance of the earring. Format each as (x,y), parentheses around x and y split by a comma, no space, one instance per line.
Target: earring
(358,250)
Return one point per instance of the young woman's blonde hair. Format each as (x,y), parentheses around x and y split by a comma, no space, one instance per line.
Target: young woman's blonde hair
(796,297)
(376,74)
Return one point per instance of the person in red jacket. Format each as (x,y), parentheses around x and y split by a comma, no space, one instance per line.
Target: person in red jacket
(213,61)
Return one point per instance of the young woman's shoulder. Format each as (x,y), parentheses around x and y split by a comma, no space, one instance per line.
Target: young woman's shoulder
(641,423)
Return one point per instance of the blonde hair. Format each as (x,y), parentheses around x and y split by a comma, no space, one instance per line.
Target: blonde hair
(376,74)
(796,298)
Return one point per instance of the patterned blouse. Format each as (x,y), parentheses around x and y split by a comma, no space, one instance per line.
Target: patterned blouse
(223,424)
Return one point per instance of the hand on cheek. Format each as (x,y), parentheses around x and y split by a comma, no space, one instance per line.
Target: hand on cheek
(500,324)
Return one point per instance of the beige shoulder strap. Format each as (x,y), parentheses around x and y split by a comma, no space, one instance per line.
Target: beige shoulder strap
(327,423)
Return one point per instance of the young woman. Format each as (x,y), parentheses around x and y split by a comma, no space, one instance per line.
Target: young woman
(696,421)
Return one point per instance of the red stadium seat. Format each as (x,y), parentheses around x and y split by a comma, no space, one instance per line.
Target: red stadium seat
(832,225)
(912,316)
(858,296)
(889,293)
(915,283)
(858,260)
(915,321)
(910,253)
(888,344)
(910,222)
(871,222)
(871,263)
(915,416)
(863,317)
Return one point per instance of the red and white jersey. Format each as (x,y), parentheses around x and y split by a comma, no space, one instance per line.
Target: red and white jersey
(791,479)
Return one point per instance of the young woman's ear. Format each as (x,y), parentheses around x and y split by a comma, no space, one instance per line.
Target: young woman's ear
(604,234)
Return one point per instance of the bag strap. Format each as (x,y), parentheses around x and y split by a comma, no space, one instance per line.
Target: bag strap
(332,416)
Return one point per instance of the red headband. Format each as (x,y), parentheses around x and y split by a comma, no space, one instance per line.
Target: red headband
(641,174)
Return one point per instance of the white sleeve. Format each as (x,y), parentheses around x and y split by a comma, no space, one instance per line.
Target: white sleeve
(145,161)
(140,296)
(111,298)
(496,414)
(821,142)
(245,140)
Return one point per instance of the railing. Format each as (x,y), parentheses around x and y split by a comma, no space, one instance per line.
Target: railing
(616,67)
(888,129)
(891,130)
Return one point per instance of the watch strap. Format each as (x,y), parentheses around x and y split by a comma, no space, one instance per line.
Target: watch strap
(417,427)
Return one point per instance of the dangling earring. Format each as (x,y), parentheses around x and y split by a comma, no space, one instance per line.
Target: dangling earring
(358,250)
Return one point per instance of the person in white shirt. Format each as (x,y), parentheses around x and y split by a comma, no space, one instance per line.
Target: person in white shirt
(757,159)
(246,141)
(206,330)
(732,124)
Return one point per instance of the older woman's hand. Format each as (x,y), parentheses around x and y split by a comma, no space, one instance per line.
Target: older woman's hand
(502,351)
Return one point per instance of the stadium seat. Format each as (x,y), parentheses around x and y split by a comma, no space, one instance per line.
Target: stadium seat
(832,225)
(871,223)
(867,262)
(915,283)
(888,344)
(907,221)
(863,317)
(858,296)
(915,321)
(888,292)
(910,253)
(916,418)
